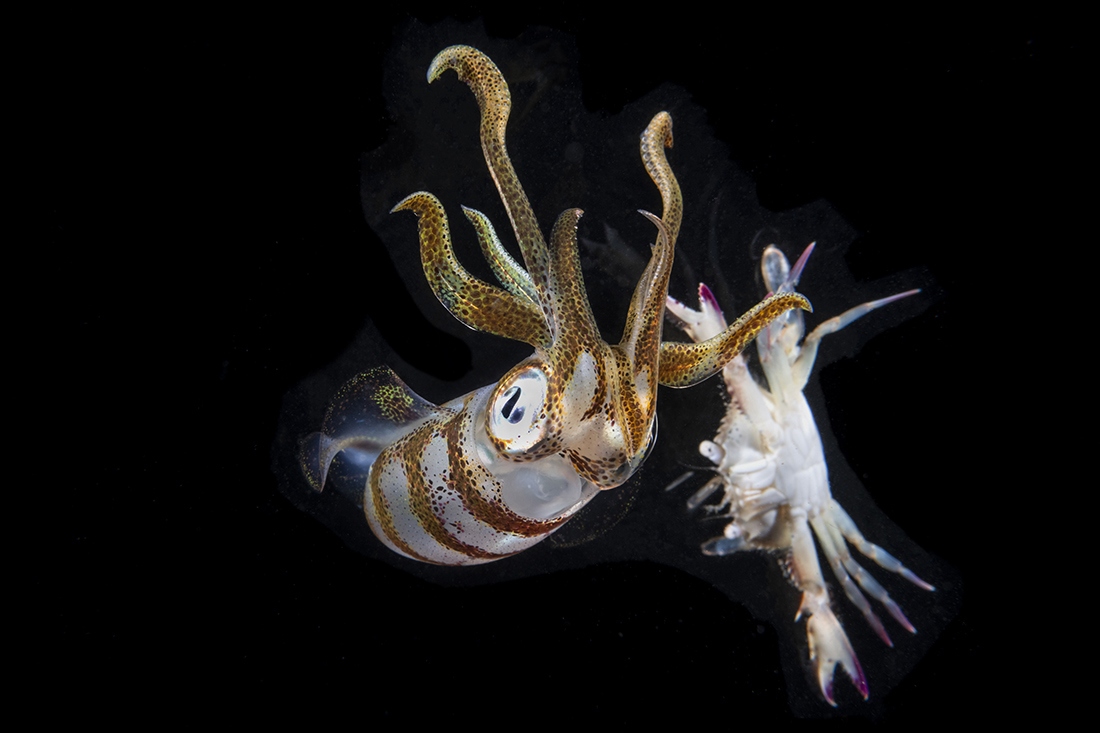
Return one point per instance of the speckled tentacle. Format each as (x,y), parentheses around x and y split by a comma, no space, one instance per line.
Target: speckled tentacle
(477,304)
(488,85)
(683,365)
(642,333)
(509,272)
(641,342)
(575,418)
(657,137)
(654,280)
(571,315)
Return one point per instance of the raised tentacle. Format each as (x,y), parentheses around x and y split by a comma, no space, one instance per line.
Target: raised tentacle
(644,307)
(509,272)
(569,309)
(639,350)
(683,365)
(493,98)
(657,137)
(642,332)
(477,304)
(641,341)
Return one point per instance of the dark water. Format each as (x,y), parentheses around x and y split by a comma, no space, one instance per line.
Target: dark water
(274,274)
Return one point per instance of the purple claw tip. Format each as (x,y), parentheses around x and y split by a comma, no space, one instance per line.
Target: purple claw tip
(860,681)
(705,294)
(796,271)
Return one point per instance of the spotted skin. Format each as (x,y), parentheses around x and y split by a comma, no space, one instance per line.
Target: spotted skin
(496,471)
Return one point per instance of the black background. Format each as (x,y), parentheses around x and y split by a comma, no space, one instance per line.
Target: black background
(201,178)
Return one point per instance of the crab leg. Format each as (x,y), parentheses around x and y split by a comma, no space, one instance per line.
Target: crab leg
(835,556)
(871,550)
(866,580)
(804,364)
(770,461)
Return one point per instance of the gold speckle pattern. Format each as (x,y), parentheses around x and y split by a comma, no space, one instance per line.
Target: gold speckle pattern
(479,305)
(683,365)
(657,137)
(488,85)
(433,492)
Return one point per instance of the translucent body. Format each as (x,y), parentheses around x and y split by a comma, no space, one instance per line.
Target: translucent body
(491,473)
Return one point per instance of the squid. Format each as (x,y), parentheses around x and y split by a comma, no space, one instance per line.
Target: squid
(493,472)
(770,464)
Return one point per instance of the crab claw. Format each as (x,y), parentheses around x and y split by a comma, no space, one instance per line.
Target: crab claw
(829,646)
(701,324)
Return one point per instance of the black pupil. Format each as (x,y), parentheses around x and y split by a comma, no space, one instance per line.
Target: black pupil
(510,405)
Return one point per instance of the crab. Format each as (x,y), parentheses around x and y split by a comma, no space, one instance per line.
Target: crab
(770,465)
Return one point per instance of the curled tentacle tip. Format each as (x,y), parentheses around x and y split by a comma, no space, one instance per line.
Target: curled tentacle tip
(804,302)
(666,120)
(568,218)
(652,217)
(661,123)
(443,60)
(657,222)
(435,68)
(408,203)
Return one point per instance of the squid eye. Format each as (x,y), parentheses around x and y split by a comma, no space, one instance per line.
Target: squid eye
(512,411)
(517,416)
